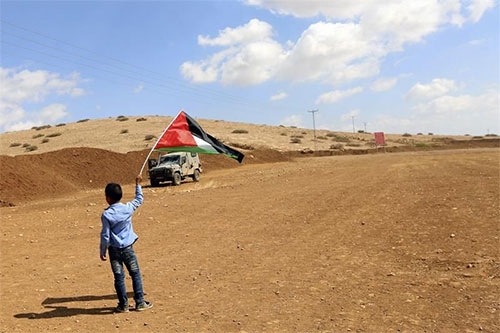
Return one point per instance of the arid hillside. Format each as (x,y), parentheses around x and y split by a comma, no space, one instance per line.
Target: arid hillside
(125,134)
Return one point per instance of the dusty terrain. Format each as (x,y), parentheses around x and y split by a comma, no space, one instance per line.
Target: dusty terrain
(377,243)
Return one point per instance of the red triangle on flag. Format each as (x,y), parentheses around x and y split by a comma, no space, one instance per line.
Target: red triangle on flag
(177,134)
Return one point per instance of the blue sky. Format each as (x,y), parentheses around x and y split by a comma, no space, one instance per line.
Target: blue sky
(398,66)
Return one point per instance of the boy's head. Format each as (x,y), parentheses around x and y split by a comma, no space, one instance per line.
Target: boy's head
(113,193)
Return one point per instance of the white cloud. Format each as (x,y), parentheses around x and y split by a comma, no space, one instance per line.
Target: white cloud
(437,87)
(476,42)
(254,31)
(448,114)
(336,95)
(348,45)
(349,115)
(139,88)
(25,86)
(384,84)
(477,8)
(293,120)
(277,97)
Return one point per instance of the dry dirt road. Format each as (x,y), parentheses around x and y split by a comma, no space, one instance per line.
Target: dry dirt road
(379,243)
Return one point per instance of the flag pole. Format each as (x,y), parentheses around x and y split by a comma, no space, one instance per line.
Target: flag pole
(166,128)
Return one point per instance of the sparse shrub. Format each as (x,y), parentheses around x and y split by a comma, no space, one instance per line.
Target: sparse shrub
(430,133)
(361,131)
(419,133)
(15,144)
(31,148)
(422,144)
(53,135)
(26,145)
(295,140)
(122,118)
(321,137)
(38,128)
(45,140)
(239,131)
(149,137)
(60,125)
(82,120)
(467,134)
(406,135)
(241,145)
(330,134)
(304,133)
(283,134)
(282,125)
(337,146)
(36,136)
(353,144)
(123,131)
(491,134)
(340,138)
(477,137)
(141,119)
(293,126)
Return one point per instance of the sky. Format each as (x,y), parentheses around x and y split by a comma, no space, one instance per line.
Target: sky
(397,66)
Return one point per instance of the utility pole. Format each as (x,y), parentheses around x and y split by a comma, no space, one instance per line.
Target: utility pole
(353,129)
(314,127)
(365,125)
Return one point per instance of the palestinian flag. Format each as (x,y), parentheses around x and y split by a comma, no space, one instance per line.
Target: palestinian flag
(185,134)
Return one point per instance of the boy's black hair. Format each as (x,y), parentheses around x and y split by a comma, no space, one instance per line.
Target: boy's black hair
(114,191)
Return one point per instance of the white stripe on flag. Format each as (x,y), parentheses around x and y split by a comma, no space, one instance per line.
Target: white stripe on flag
(203,144)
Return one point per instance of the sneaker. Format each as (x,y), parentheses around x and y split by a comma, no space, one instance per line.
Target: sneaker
(121,309)
(143,306)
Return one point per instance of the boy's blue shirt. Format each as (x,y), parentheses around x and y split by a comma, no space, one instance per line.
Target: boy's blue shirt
(117,230)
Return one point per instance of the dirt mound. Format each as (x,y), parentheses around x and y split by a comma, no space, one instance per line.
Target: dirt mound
(28,177)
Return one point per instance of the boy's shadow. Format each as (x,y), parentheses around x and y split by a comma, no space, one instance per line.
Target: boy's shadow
(64,311)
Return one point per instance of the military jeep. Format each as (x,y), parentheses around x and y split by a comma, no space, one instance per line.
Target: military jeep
(174,167)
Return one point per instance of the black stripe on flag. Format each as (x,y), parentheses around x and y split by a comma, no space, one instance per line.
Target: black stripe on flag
(196,130)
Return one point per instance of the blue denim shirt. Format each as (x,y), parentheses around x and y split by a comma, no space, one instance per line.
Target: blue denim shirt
(117,230)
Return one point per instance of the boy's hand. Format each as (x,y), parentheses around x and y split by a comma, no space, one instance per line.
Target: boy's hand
(138,180)
(103,257)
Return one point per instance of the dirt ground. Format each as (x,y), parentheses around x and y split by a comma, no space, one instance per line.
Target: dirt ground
(373,243)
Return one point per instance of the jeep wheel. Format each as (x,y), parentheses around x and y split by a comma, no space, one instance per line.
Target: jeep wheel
(154,183)
(196,175)
(177,179)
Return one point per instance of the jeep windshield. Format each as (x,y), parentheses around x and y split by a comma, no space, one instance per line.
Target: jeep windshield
(170,159)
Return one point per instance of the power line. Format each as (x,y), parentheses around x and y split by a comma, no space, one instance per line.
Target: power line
(176,82)
(314,127)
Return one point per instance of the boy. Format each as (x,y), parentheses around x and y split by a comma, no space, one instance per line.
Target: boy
(118,237)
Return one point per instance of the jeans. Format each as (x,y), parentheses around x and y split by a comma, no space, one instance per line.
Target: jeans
(126,256)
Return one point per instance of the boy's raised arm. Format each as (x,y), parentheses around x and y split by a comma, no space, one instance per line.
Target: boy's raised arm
(139,197)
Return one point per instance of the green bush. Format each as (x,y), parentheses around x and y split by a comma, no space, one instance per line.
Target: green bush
(53,135)
(477,137)
(82,120)
(61,124)
(36,136)
(122,118)
(38,128)
(15,144)
(406,134)
(430,133)
(141,119)
(491,134)
(239,131)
